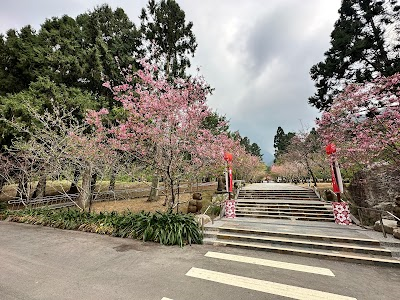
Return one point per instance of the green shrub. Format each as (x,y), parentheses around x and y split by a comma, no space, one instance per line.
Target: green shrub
(216,210)
(166,228)
(3,205)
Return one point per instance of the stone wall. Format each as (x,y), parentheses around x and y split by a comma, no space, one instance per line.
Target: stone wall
(376,187)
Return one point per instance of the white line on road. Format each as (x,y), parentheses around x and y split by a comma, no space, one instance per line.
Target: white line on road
(164,298)
(271,263)
(264,286)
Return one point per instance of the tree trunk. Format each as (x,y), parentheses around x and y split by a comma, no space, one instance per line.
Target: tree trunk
(154,189)
(74,185)
(85,194)
(312,174)
(172,192)
(2,183)
(40,190)
(93,181)
(22,190)
(111,187)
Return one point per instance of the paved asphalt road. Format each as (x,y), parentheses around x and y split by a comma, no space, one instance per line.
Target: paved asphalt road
(44,263)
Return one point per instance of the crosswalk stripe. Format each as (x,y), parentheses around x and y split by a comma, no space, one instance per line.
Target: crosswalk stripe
(271,263)
(264,286)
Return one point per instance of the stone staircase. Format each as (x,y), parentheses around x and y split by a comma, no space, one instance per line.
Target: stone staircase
(279,221)
(327,246)
(298,204)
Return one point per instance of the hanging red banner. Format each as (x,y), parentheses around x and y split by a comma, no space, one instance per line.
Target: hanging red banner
(337,184)
(230,179)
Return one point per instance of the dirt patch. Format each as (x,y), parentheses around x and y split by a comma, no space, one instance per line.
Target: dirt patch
(141,204)
(60,187)
(134,205)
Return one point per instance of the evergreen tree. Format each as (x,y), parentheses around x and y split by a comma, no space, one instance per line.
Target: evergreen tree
(60,41)
(19,59)
(213,123)
(167,39)
(41,96)
(255,150)
(365,42)
(251,148)
(110,42)
(282,142)
(81,52)
(163,25)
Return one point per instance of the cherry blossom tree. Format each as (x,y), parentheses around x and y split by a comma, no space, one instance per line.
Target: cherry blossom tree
(58,145)
(162,124)
(364,123)
(288,170)
(306,149)
(245,165)
(163,127)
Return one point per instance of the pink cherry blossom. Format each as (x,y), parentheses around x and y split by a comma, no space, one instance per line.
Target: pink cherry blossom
(364,122)
(163,128)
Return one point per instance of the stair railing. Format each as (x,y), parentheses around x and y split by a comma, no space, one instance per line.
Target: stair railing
(212,206)
(381,213)
(221,205)
(317,193)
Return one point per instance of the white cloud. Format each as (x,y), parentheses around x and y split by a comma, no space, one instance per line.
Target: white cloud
(255,53)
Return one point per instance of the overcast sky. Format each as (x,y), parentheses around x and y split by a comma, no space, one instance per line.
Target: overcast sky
(255,53)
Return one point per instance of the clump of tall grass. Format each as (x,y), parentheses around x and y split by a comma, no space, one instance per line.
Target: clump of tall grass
(166,228)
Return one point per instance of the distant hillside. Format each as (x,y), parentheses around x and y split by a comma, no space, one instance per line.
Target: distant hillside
(268,158)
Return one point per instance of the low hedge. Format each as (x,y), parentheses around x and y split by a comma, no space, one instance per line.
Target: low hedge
(166,228)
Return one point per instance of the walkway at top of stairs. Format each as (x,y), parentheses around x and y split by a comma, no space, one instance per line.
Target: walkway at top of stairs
(272,186)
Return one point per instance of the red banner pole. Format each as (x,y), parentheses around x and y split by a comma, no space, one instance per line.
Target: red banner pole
(229,204)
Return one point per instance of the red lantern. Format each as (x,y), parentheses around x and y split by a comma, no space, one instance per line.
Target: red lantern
(330,149)
(228,156)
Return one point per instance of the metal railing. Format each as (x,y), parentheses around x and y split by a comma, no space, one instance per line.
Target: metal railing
(48,200)
(66,200)
(317,193)
(214,205)
(381,212)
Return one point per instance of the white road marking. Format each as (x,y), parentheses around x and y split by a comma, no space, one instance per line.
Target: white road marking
(271,263)
(164,298)
(264,286)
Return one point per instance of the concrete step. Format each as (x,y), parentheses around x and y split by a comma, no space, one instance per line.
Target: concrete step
(283,207)
(300,195)
(275,198)
(297,191)
(281,203)
(277,192)
(287,234)
(269,206)
(286,213)
(302,243)
(318,253)
(304,218)
(248,192)
(305,195)
(278,209)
